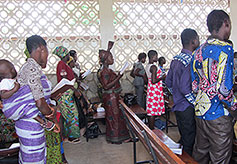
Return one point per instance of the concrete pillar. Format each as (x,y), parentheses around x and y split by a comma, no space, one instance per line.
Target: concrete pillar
(106,24)
(233,13)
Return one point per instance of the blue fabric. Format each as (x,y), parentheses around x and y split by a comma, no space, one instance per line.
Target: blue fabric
(61,145)
(212,61)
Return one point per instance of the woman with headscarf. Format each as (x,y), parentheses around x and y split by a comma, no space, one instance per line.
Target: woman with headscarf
(116,130)
(67,103)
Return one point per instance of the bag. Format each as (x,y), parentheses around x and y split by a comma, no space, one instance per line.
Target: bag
(160,124)
(130,99)
(93,131)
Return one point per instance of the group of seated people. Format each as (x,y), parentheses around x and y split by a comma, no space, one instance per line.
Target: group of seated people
(200,79)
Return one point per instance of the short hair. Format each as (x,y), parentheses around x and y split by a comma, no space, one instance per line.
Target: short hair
(141,56)
(187,36)
(72,53)
(230,42)
(152,53)
(161,59)
(235,54)
(215,19)
(33,42)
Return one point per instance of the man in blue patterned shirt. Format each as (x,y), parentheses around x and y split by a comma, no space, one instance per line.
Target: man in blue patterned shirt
(179,81)
(212,80)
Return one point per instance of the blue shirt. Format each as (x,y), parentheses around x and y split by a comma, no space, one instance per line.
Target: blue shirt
(179,81)
(212,79)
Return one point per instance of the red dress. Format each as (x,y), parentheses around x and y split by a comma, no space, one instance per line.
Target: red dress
(155,99)
(116,130)
(64,70)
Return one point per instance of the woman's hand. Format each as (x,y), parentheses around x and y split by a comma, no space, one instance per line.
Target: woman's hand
(120,75)
(57,127)
(52,116)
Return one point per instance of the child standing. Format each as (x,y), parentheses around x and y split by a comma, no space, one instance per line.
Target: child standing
(155,100)
(140,79)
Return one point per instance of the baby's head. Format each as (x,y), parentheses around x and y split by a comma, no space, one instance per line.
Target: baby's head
(7,70)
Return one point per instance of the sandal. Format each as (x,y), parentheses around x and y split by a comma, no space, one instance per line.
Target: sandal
(75,141)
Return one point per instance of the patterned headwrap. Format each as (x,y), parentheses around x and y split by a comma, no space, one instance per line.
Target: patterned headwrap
(60,51)
(103,55)
(70,60)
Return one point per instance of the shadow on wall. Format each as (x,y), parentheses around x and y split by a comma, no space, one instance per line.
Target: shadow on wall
(92,81)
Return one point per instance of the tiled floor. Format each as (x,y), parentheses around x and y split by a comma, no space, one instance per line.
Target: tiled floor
(98,151)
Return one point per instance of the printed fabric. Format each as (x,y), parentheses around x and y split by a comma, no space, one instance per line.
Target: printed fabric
(212,79)
(60,51)
(7,130)
(116,130)
(53,147)
(69,112)
(30,74)
(21,107)
(155,99)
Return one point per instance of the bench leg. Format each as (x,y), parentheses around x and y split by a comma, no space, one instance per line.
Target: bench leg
(134,152)
(87,135)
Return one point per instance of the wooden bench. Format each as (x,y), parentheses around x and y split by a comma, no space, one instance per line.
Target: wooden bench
(152,140)
(9,156)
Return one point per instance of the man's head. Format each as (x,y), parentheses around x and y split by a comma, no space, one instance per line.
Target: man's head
(142,57)
(161,61)
(219,24)
(190,39)
(7,70)
(153,56)
(37,49)
(73,54)
(106,57)
(235,55)
(71,62)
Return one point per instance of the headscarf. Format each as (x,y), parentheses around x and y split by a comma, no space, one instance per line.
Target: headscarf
(103,54)
(70,60)
(61,51)
(26,52)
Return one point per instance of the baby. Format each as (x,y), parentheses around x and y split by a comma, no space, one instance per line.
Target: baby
(9,86)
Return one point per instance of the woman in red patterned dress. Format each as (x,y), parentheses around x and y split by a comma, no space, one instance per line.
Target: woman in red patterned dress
(155,105)
(116,130)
